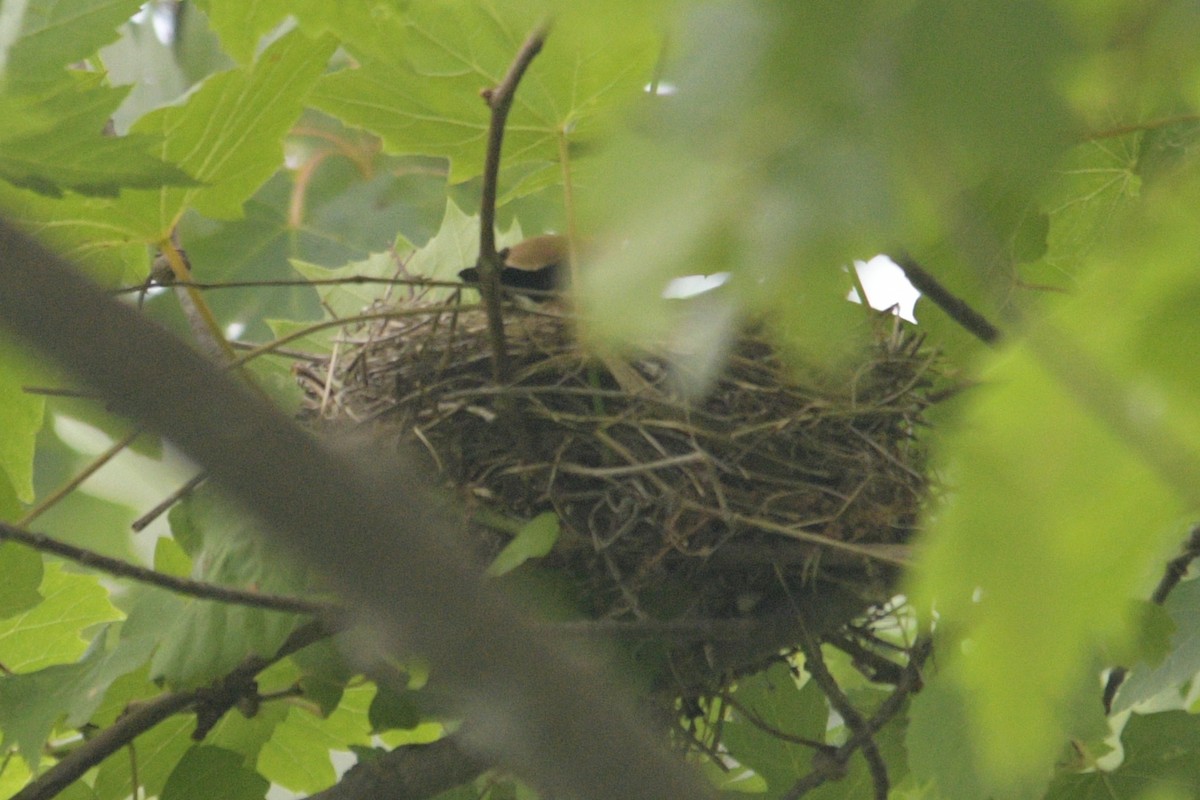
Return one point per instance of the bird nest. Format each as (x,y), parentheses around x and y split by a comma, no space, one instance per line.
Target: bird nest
(706,528)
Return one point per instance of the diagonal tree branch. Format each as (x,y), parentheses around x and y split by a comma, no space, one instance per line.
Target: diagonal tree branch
(141,717)
(137,721)
(958,309)
(371,523)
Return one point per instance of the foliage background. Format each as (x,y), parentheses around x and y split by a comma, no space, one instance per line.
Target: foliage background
(1038,157)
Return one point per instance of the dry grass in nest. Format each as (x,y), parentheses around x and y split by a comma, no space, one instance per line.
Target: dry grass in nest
(714,525)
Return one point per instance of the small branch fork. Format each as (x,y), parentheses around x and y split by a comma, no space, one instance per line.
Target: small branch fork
(210,703)
(406,773)
(831,764)
(499,99)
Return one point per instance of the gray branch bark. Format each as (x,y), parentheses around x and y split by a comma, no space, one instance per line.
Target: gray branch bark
(370,522)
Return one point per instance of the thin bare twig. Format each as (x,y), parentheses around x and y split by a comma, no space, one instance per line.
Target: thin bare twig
(499,100)
(349,280)
(174,497)
(958,309)
(123,569)
(757,721)
(73,483)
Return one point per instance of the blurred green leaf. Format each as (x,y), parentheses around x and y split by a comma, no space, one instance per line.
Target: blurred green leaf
(535,539)
(159,750)
(349,299)
(324,669)
(170,558)
(418,74)
(32,703)
(247,736)
(1181,663)
(1155,629)
(108,244)
(1098,181)
(55,34)
(1053,529)
(148,67)
(454,247)
(340,203)
(1036,530)
(208,638)
(939,743)
(71,151)
(242,25)
(391,709)
(53,135)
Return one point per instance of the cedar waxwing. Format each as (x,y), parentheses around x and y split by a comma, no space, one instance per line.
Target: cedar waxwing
(539,262)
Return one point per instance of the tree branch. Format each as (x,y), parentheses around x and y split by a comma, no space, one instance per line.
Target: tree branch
(141,717)
(499,100)
(814,663)
(123,569)
(909,683)
(135,722)
(411,772)
(958,309)
(142,522)
(1176,569)
(369,520)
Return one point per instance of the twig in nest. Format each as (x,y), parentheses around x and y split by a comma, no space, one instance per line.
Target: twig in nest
(499,100)
(958,309)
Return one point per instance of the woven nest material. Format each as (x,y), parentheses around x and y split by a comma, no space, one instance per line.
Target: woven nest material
(724,521)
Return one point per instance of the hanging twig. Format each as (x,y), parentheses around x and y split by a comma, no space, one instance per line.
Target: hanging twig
(499,100)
